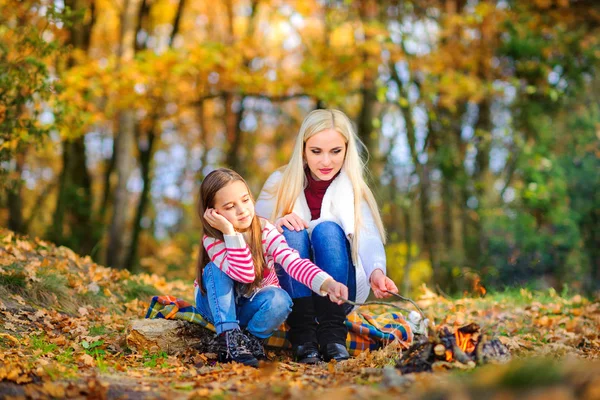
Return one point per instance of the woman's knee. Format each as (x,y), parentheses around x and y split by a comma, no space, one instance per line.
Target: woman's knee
(293,235)
(298,240)
(328,230)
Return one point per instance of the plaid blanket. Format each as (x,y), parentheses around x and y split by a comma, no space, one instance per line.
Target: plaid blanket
(369,327)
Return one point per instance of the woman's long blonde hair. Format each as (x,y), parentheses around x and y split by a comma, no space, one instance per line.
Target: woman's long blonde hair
(293,180)
(214,182)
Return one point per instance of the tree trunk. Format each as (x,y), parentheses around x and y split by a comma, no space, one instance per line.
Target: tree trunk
(203,140)
(233,119)
(365,124)
(146,153)
(170,336)
(74,198)
(408,238)
(15,203)
(481,178)
(124,143)
(429,236)
(146,147)
(74,201)
(447,217)
(422,171)
(368,11)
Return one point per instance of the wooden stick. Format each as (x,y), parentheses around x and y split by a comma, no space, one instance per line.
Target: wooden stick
(409,300)
(368,303)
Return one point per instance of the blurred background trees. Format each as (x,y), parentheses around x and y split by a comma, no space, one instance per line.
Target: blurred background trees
(481,120)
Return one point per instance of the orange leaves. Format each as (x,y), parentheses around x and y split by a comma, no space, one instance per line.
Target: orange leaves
(14,372)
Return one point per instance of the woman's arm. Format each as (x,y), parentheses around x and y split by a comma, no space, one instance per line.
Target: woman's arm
(232,256)
(370,244)
(372,255)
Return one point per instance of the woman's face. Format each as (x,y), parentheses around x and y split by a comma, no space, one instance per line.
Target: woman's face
(324,153)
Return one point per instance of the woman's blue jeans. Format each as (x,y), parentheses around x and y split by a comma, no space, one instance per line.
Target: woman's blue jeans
(315,319)
(261,314)
(329,249)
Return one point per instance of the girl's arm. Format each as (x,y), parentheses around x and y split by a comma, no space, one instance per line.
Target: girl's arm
(232,256)
(302,270)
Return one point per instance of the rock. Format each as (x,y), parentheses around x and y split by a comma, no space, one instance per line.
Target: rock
(170,336)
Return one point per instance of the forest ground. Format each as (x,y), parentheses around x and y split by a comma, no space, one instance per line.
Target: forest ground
(64,319)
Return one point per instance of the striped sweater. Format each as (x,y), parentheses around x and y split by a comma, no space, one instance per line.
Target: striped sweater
(232,255)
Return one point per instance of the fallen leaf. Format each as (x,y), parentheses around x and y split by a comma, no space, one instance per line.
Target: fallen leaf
(88,360)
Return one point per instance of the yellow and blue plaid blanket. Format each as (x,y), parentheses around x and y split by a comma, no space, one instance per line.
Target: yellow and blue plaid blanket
(369,327)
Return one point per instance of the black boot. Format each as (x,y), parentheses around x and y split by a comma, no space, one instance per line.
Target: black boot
(233,347)
(332,330)
(256,346)
(303,331)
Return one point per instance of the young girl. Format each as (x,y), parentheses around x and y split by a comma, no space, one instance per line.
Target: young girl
(324,208)
(239,286)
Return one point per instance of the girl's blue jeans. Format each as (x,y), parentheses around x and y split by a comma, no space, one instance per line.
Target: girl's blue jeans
(260,314)
(329,249)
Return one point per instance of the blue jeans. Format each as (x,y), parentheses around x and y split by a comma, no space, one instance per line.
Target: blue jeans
(330,251)
(261,314)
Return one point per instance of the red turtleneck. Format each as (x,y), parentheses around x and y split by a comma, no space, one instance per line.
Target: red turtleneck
(314,192)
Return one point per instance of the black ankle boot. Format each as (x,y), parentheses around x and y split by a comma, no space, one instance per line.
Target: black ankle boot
(335,351)
(233,347)
(303,331)
(332,330)
(256,346)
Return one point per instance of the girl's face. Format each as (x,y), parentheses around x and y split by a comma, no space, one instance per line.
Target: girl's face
(235,204)
(324,153)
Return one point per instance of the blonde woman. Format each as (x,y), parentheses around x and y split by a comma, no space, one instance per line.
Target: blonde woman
(325,210)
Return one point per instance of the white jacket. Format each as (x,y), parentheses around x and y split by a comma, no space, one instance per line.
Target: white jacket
(337,206)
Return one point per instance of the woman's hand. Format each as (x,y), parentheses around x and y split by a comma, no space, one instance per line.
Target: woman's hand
(336,291)
(292,222)
(218,221)
(381,284)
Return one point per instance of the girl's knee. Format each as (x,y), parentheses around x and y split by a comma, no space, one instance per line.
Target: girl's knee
(211,271)
(280,303)
(327,230)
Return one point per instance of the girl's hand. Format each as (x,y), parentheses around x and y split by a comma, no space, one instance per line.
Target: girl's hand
(218,221)
(336,291)
(292,222)
(381,284)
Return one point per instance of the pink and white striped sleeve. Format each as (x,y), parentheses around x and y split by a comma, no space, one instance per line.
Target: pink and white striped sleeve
(301,269)
(232,256)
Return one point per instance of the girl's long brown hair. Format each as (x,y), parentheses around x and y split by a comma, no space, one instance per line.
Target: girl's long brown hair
(214,182)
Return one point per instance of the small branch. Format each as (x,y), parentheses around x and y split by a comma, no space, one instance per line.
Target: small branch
(410,301)
(442,293)
(369,303)
(385,303)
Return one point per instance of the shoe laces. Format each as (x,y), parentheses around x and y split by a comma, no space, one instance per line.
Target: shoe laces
(255,345)
(235,344)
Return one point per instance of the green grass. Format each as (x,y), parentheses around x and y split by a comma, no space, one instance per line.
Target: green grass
(133,289)
(152,360)
(40,343)
(525,296)
(13,282)
(531,373)
(97,330)
(66,357)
